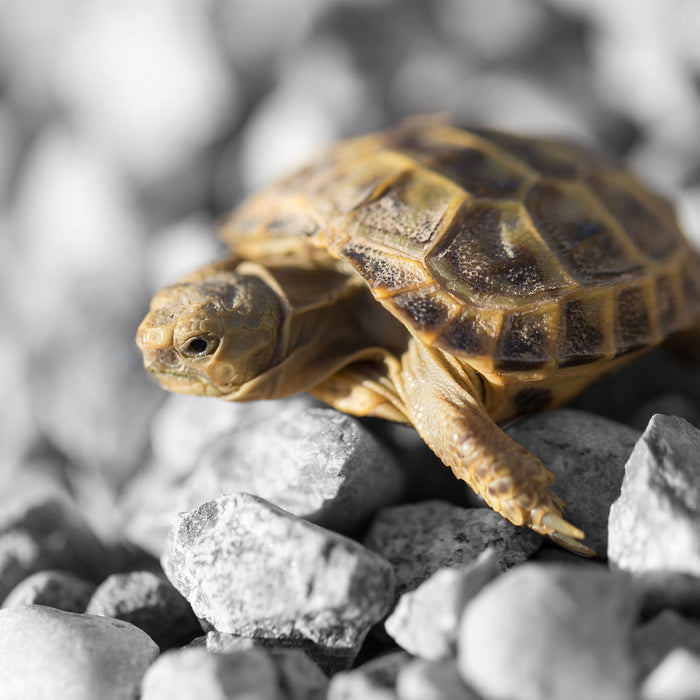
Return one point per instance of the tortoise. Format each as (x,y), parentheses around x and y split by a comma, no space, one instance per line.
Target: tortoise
(449,278)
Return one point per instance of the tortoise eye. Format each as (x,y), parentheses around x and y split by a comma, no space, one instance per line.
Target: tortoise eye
(200,346)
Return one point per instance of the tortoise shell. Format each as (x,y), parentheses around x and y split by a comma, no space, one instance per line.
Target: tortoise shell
(514,253)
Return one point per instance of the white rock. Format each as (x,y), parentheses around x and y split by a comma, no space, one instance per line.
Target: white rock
(655,523)
(432,680)
(250,568)
(47,653)
(677,677)
(547,632)
(185,674)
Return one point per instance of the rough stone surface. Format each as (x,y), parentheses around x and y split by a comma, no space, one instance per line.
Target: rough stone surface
(425,621)
(655,523)
(677,677)
(55,589)
(660,636)
(316,463)
(432,680)
(546,632)
(151,603)
(420,538)
(46,532)
(197,673)
(328,658)
(250,568)
(587,455)
(374,680)
(47,653)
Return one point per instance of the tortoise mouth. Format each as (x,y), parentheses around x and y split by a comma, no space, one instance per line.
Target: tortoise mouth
(184,382)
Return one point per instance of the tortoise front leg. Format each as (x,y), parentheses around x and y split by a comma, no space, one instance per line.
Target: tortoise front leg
(458,429)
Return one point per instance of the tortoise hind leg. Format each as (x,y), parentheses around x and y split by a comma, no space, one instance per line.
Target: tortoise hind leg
(458,429)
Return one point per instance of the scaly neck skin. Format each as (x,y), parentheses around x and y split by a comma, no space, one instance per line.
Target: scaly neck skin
(331,320)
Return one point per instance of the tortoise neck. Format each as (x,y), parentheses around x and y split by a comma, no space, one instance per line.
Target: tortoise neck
(331,321)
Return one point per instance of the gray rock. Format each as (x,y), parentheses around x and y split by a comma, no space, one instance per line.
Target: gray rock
(55,589)
(44,651)
(420,538)
(546,632)
(149,602)
(587,455)
(425,621)
(184,674)
(660,636)
(252,569)
(677,677)
(432,680)
(45,531)
(374,680)
(655,523)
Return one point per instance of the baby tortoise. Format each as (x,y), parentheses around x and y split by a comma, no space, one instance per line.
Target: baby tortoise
(447,278)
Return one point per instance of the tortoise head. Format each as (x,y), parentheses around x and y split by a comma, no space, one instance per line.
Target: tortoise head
(212,335)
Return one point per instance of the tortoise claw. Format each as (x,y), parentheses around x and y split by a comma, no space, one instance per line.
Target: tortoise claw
(558,525)
(571,544)
(566,535)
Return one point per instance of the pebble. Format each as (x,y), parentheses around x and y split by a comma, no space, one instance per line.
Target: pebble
(151,603)
(654,640)
(200,671)
(432,680)
(44,651)
(546,632)
(662,589)
(250,568)
(55,589)
(655,523)
(420,538)
(46,532)
(197,673)
(587,455)
(374,680)
(677,677)
(425,621)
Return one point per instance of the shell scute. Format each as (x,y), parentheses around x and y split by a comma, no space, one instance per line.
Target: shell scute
(633,323)
(590,246)
(427,309)
(584,329)
(385,273)
(491,251)
(526,340)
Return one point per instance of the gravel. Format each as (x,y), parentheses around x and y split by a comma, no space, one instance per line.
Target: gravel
(126,131)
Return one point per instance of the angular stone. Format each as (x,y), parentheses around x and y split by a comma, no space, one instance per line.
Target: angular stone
(655,523)
(151,603)
(44,650)
(184,674)
(432,680)
(45,531)
(660,636)
(420,538)
(587,455)
(55,589)
(425,621)
(677,677)
(374,680)
(546,632)
(252,569)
